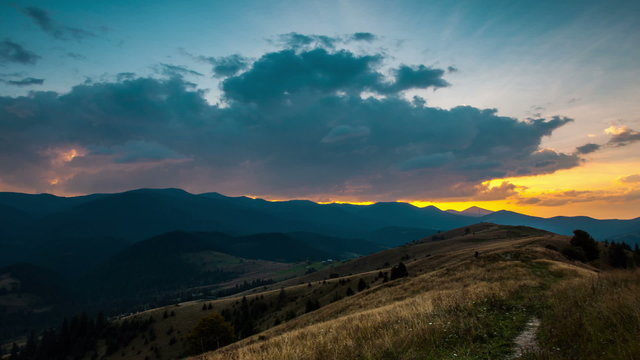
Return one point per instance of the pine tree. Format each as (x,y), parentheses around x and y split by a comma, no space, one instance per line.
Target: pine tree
(282,298)
(362,284)
(349,291)
(618,256)
(583,240)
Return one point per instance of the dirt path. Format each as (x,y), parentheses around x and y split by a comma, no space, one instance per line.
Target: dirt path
(526,341)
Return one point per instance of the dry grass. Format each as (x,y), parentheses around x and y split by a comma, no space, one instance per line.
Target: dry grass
(452,303)
(592,318)
(472,309)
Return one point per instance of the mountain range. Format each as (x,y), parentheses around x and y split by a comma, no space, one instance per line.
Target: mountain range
(44,226)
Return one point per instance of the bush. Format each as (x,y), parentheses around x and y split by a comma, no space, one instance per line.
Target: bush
(312,305)
(574,253)
(399,271)
(212,332)
(362,285)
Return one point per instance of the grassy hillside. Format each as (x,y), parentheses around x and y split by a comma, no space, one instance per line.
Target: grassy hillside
(449,294)
(470,293)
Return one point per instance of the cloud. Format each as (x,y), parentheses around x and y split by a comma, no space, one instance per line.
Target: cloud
(622,135)
(278,76)
(225,66)
(631,179)
(363,36)
(41,18)
(298,41)
(137,151)
(587,148)
(416,77)
(561,198)
(29,81)
(452,69)
(288,74)
(295,40)
(176,70)
(345,132)
(503,191)
(294,124)
(125,76)
(427,161)
(11,52)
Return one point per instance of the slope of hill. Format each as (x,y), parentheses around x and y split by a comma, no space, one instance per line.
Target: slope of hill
(165,267)
(338,310)
(30,296)
(599,229)
(392,236)
(468,293)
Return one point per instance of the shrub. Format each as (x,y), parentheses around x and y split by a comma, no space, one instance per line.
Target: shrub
(312,305)
(574,253)
(212,332)
(399,271)
(362,284)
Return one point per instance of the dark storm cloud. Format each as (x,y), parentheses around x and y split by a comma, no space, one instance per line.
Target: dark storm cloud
(294,125)
(11,52)
(48,25)
(418,77)
(588,148)
(29,81)
(287,74)
(136,151)
(280,75)
(225,66)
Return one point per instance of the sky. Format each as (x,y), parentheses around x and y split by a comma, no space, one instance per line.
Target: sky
(530,106)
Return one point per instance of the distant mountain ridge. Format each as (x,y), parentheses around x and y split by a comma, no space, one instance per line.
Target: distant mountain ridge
(64,226)
(472,211)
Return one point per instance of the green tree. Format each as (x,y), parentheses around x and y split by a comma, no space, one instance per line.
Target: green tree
(212,332)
